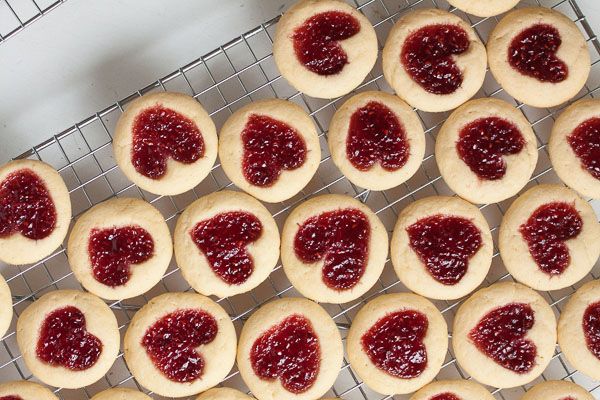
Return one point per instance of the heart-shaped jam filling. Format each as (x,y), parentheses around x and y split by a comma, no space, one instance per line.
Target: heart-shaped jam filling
(316,41)
(500,335)
(376,135)
(445,396)
(427,56)
(591,328)
(341,239)
(113,250)
(395,343)
(224,239)
(26,206)
(289,351)
(172,343)
(64,340)
(160,133)
(483,143)
(533,53)
(545,233)
(11,397)
(270,146)
(585,142)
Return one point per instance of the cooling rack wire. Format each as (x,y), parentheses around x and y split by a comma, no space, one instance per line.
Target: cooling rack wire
(16,15)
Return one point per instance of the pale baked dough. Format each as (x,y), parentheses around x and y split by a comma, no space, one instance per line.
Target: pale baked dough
(179,177)
(308,278)
(121,394)
(231,149)
(223,393)
(583,249)
(26,390)
(472,63)
(194,264)
(409,267)
(16,249)
(483,368)
(435,341)
(100,322)
(457,174)
(557,390)
(376,178)
(463,389)
(6,307)
(218,355)
(484,8)
(273,313)
(361,50)
(121,212)
(573,52)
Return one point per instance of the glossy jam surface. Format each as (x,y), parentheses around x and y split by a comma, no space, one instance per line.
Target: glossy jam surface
(427,56)
(172,342)
(289,351)
(375,135)
(114,250)
(341,239)
(316,41)
(591,328)
(585,142)
(26,206)
(160,133)
(270,146)
(533,53)
(223,240)
(395,343)
(500,335)
(445,396)
(11,397)
(64,340)
(483,143)
(545,232)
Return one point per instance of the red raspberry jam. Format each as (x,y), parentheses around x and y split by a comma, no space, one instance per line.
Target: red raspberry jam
(341,238)
(172,343)
(270,146)
(160,133)
(316,41)
(113,251)
(26,206)
(533,53)
(483,143)
(585,142)
(591,328)
(376,135)
(64,340)
(289,351)
(427,56)
(500,335)
(445,396)
(223,240)
(545,232)
(395,343)
(11,397)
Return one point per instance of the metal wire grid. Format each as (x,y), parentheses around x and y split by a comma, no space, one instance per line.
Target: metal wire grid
(16,15)
(224,80)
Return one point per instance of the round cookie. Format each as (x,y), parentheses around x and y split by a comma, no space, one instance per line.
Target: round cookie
(36,211)
(486,151)
(226,243)
(289,349)
(333,248)
(430,83)
(180,344)
(121,394)
(573,147)
(376,140)
(397,343)
(175,143)
(324,48)
(25,390)
(68,338)
(549,238)
(461,389)
(557,390)
(484,8)
(441,247)
(519,319)
(557,73)
(6,307)
(270,149)
(223,393)
(120,248)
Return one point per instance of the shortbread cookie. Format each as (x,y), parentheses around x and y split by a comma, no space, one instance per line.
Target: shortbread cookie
(486,151)
(35,211)
(484,8)
(549,238)
(68,338)
(6,307)
(538,56)
(557,390)
(226,243)
(223,393)
(166,143)
(453,390)
(25,390)
(121,394)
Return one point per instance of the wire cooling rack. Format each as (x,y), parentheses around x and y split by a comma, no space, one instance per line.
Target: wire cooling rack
(16,15)
(224,80)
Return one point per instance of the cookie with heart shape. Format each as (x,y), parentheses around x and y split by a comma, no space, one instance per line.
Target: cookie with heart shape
(68,338)
(25,390)
(223,393)
(557,390)
(121,394)
(6,304)
(458,389)
(484,8)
